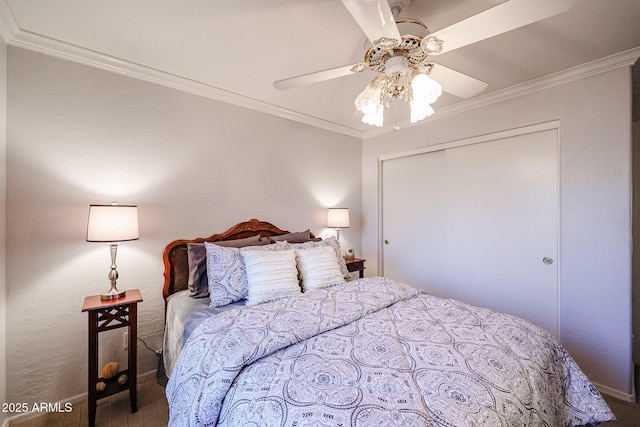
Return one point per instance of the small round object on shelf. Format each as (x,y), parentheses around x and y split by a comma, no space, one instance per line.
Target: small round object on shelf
(122,379)
(110,370)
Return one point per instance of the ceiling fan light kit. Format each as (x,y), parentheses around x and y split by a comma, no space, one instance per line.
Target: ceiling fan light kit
(399,65)
(401,82)
(401,60)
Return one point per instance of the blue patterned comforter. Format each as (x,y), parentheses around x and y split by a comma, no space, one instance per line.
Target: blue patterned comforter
(377,352)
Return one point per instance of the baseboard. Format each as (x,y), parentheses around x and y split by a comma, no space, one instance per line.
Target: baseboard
(616,393)
(28,415)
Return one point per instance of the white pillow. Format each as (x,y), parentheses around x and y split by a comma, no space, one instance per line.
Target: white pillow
(318,268)
(332,243)
(271,275)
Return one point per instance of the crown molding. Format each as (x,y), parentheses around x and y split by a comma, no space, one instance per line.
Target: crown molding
(623,59)
(56,48)
(8,25)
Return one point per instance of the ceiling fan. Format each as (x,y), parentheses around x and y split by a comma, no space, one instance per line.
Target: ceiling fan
(402,61)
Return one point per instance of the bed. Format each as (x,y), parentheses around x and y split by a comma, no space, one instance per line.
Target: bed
(350,352)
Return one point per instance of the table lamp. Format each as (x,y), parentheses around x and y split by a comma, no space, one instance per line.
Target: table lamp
(338,218)
(112,224)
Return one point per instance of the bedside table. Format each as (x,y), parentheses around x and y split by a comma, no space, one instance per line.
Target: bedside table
(104,316)
(355,264)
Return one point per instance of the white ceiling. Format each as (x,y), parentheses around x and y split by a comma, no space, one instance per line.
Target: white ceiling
(235,50)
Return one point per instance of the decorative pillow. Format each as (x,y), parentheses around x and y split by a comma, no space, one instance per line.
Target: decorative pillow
(271,275)
(318,268)
(240,243)
(196,254)
(331,242)
(297,237)
(226,276)
(197,258)
(224,273)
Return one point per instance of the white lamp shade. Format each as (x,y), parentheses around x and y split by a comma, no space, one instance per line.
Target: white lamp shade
(112,223)
(338,218)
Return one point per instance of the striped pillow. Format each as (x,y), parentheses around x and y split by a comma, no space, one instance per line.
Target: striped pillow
(318,268)
(332,243)
(271,275)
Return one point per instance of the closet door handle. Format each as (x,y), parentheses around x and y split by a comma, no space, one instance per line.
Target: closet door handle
(386,242)
(547,260)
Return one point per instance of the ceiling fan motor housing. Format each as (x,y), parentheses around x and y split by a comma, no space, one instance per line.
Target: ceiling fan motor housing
(409,47)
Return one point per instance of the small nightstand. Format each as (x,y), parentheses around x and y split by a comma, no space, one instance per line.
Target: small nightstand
(104,316)
(355,264)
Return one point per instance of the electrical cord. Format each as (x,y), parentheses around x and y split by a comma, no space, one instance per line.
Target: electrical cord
(156,352)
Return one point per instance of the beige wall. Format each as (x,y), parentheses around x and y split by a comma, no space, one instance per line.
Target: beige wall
(194,166)
(3,210)
(595,207)
(636,218)
(636,244)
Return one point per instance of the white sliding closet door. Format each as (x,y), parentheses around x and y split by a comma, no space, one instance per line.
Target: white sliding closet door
(414,191)
(477,223)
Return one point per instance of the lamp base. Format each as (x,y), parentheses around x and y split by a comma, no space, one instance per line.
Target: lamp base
(113,293)
(106,297)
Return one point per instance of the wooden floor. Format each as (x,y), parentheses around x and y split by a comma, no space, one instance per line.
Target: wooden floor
(113,411)
(153,411)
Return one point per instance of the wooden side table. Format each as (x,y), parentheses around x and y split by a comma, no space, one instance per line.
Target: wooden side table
(356,264)
(104,316)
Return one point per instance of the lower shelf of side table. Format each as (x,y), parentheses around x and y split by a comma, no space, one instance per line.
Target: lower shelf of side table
(112,386)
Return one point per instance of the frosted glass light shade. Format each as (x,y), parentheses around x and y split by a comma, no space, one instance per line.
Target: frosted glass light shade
(420,109)
(112,223)
(338,218)
(375,118)
(425,88)
(425,91)
(368,101)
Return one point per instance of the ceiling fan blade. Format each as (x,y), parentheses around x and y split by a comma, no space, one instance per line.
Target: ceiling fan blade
(499,19)
(375,19)
(319,76)
(456,83)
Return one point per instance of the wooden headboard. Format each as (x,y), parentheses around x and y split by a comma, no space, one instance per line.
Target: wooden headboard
(176,263)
